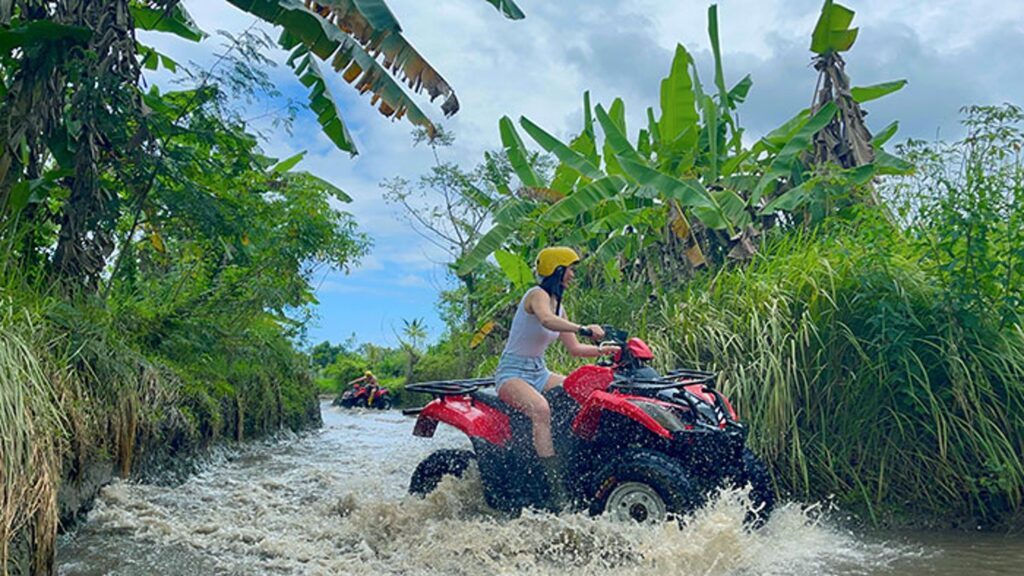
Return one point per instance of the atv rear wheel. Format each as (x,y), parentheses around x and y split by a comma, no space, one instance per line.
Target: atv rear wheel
(643,486)
(436,466)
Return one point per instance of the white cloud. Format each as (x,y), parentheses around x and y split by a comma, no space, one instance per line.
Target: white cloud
(412,280)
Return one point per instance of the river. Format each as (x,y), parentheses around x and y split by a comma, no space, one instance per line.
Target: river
(334,501)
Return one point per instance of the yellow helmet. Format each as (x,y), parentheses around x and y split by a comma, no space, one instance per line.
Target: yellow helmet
(551,258)
(368,374)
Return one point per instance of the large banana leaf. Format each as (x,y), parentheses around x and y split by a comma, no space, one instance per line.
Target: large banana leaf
(616,221)
(564,153)
(328,41)
(862,94)
(517,154)
(785,162)
(614,121)
(372,23)
(508,219)
(347,56)
(832,33)
(585,199)
(678,100)
(516,269)
(885,134)
(716,50)
(689,193)
(615,137)
(321,100)
(175,20)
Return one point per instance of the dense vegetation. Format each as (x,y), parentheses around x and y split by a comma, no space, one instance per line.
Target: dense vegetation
(156,266)
(866,318)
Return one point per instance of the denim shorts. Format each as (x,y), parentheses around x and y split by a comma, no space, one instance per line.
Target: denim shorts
(528,368)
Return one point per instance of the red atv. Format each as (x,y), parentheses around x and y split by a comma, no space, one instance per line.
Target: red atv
(368,396)
(634,444)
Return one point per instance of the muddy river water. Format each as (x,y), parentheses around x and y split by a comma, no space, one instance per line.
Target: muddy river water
(334,502)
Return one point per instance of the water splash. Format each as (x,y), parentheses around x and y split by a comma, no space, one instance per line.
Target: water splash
(335,503)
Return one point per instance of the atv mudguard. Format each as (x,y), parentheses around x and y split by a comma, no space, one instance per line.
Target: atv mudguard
(588,385)
(475,419)
(586,422)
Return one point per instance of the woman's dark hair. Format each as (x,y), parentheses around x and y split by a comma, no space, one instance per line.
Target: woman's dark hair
(552,284)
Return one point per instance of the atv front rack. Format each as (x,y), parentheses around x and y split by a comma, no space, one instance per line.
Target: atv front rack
(674,379)
(450,387)
(687,376)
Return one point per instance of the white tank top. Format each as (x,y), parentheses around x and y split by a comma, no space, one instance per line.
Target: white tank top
(528,337)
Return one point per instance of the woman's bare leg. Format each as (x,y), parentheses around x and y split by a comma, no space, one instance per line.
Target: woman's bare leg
(553,380)
(523,397)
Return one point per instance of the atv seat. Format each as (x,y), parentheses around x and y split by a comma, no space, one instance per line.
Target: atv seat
(489,396)
(557,398)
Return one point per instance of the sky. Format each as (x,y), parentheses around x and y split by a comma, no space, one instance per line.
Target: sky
(952,53)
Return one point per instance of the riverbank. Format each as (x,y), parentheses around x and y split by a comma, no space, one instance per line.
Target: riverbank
(83,404)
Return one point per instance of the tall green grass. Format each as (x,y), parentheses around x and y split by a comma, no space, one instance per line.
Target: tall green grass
(81,386)
(856,371)
(31,433)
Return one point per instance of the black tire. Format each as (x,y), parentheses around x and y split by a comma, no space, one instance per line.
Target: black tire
(383,404)
(642,485)
(436,466)
(762,494)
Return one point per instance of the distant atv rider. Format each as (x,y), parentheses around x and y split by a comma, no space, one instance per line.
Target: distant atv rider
(370,387)
(522,376)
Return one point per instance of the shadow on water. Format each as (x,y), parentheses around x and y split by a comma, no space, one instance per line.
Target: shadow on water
(334,502)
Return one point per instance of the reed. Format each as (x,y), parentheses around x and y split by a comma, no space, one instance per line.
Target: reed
(32,429)
(855,369)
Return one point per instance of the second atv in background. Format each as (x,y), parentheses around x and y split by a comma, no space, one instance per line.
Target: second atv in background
(365,392)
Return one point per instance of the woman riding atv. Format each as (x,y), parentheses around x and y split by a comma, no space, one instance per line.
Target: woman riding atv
(522,376)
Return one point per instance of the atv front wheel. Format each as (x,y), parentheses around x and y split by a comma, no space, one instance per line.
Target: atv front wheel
(643,486)
(439,464)
(762,495)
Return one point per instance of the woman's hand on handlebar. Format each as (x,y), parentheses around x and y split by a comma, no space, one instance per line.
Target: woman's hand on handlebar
(593,331)
(607,348)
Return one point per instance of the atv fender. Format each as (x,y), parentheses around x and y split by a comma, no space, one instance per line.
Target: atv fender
(586,422)
(586,380)
(475,419)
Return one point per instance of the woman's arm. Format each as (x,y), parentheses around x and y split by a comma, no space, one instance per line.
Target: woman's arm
(584,350)
(538,303)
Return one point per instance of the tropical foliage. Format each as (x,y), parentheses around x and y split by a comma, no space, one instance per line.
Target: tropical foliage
(689,190)
(863,308)
(157,264)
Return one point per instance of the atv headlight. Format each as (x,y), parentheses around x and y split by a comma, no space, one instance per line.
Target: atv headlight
(667,417)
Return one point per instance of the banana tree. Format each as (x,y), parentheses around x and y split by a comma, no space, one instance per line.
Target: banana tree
(359,39)
(688,171)
(843,149)
(363,41)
